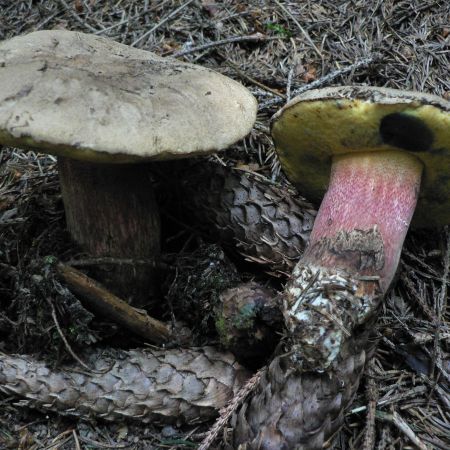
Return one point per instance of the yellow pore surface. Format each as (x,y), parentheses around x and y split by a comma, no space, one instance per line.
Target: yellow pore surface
(308,134)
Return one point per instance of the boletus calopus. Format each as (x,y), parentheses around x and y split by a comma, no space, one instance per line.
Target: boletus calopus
(106,110)
(377,153)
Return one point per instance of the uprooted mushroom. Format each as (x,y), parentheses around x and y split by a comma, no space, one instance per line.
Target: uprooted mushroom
(388,150)
(106,110)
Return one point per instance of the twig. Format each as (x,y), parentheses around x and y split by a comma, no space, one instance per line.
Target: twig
(162,22)
(59,440)
(324,80)
(225,413)
(75,438)
(385,438)
(88,441)
(291,72)
(304,32)
(289,83)
(372,396)
(56,445)
(99,298)
(364,62)
(441,306)
(66,343)
(414,392)
(77,17)
(107,261)
(122,22)
(252,80)
(396,419)
(256,37)
(434,387)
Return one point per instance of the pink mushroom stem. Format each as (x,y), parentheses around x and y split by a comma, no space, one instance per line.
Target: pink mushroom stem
(371,194)
(353,253)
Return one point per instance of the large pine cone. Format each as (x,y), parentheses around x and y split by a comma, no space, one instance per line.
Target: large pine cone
(181,386)
(268,223)
(301,410)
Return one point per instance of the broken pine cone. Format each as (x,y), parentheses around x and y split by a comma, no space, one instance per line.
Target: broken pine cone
(195,288)
(249,322)
(208,294)
(267,222)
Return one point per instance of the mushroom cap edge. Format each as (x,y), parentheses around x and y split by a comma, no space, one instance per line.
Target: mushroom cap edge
(205,111)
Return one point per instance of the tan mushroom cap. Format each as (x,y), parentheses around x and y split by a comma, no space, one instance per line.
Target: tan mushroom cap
(321,123)
(91,98)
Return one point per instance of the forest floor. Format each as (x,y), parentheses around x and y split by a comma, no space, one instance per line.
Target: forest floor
(277,49)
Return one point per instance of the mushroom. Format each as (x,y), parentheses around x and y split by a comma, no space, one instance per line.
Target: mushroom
(106,110)
(387,150)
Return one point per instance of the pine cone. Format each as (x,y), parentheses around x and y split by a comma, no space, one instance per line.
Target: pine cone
(301,410)
(269,223)
(182,386)
(249,322)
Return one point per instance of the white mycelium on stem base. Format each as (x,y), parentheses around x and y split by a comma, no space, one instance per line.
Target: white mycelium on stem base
(353,252)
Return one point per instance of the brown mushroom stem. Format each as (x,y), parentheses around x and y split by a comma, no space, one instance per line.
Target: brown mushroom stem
(111,211)
(353,253)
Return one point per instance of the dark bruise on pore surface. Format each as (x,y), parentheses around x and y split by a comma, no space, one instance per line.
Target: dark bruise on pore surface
(406,132)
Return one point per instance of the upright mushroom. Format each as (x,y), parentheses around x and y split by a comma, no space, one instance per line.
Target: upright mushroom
(387,150)
(100,106)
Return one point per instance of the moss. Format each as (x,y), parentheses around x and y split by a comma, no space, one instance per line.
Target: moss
(223,331)
(244,319)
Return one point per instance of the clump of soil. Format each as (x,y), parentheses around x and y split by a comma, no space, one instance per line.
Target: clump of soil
(194,292)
